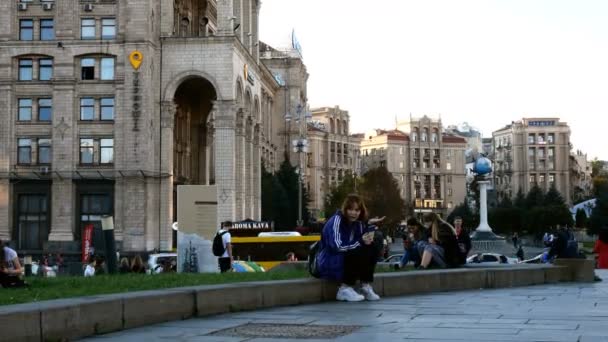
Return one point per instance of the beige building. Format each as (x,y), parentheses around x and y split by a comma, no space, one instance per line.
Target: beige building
(532,151)
(108,105)
(333,153)
(429,165)
(581,184)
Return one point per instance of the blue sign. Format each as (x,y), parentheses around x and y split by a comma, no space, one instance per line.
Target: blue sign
(279,79)
(541,123)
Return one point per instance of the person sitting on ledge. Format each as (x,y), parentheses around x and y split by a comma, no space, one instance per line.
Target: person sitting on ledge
(414,242)
(347,253)
(442,248)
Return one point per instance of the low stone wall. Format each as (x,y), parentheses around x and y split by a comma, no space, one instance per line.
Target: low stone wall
(68,319)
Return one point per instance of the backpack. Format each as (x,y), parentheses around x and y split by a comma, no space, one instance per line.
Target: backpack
(313,252)
(218,245)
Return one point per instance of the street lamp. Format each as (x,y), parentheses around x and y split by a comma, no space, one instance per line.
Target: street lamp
(300,145)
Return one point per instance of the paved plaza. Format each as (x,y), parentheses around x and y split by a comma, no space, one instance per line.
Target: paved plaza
(560,312)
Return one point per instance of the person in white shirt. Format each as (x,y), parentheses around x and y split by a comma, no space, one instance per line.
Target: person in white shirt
(10,267)
(226,260)
(89,269)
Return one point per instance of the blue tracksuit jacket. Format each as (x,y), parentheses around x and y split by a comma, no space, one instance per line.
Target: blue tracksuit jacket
(338,237)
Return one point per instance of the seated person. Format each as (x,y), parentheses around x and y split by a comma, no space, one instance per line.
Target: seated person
(10,268)
(442,249)
(414,242)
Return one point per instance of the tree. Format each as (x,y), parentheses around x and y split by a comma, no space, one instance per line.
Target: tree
(334,199)
(599,214)
(581,218)
(553,197)
(520,199)
(470,219)
(535,197)
(382,198)
(596,167)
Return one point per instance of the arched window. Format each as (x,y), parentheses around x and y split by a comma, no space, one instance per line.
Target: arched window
(415,134)
(435,135)
(425,135)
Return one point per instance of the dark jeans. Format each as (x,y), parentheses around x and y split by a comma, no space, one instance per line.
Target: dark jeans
(359,264)
(10,280)
(224,264)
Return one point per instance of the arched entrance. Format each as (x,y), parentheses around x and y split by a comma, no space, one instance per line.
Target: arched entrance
(193,160)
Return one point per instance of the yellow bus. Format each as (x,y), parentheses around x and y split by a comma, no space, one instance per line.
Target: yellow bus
(271,250)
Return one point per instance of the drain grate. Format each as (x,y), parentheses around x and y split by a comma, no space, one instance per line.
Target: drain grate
(287,331)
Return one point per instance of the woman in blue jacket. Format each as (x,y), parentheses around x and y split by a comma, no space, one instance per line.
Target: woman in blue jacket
(347,254)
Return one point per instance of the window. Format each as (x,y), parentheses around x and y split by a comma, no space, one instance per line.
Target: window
(449,179)
(107,108)
(108,28)
(86,151)
(87,29)
(106,147)
(532,179)
(450,205)
(541,179)
(45,109)
(448,153)
(26,29)
(32,218)
(531,152)
(434,136)
(25,110)
(530,138)
(107,68)
(93,207)
(47,29)
(87,108)
(550,138)
(400,150)
(25,69)
(551,152)
(24,151)
(541,139)
(448,166)
(449,191)
(425,134)
(401,165)
(44,151)
(414,136)
(45,69)
(551,178)
(87,68)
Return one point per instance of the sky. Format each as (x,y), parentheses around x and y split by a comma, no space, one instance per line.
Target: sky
(485,62)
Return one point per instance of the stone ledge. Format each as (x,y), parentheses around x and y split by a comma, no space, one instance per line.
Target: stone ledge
(68,319)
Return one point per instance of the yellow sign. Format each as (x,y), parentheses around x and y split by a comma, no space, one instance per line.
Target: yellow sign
(136,58)
(245,71)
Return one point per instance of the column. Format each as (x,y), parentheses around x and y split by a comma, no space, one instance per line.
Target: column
(241,171)
(5,232)
(64,139)
(225,164)
(250,172)
(167,122)
(257,174)
(6,140)
(225,15)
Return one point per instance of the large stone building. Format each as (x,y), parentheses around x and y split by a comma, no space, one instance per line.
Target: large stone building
(532,151)
(333,153)
(429,165)
(581,182)
(108,105)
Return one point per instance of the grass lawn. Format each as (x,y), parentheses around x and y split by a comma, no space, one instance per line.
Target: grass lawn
(66,287)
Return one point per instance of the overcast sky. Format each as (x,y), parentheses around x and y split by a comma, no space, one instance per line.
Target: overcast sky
(486,62)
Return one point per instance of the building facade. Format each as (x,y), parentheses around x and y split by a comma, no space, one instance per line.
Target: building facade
(333,154)
(532,151)
(109,105)
(581,184)
(429,165)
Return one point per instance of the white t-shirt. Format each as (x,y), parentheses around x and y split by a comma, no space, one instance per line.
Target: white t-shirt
(9,255)
(89,271)
(225,241)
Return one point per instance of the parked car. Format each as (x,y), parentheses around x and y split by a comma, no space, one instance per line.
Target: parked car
(156,261)
(490,259)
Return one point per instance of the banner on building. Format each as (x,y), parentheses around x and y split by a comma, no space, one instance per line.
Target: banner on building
(87,240)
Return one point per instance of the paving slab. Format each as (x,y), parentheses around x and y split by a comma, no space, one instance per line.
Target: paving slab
(555,312)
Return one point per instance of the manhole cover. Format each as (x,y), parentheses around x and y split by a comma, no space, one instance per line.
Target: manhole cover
(287,330)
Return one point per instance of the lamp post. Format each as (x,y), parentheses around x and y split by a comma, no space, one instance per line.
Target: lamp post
(300,145)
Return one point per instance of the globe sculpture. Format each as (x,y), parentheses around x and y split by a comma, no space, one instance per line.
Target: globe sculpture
(482,168)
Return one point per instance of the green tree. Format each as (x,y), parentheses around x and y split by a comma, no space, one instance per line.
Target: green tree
(599,214)
(535,197)
(470,219)
(581,218)
(553,197)
(520,200)
(334,199)
(382,198)
(287,178)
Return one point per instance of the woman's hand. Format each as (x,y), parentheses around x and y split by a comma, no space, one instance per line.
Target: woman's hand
(368,238)
(376,220)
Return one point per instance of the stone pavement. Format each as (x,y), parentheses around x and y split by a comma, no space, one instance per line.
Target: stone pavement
(559,312)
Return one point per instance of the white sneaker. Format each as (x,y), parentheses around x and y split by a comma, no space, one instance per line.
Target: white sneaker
(348,294)
(368,291)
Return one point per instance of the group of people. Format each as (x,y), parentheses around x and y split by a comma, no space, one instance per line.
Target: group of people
(136,265)
(348,254)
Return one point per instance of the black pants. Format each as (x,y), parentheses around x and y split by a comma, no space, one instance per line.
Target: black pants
(224,264)
(11,280)
(359,264)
